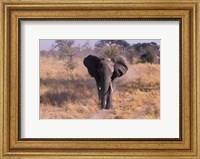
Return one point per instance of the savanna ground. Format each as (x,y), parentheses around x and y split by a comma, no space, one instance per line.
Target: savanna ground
(66,94)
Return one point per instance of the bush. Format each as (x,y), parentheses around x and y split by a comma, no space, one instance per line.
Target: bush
(111,51)
(71,65)
(148,57)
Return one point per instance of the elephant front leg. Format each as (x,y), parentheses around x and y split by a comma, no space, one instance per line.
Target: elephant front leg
(104,101)
(109,101)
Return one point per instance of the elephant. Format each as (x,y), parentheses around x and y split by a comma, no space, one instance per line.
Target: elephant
(105,71)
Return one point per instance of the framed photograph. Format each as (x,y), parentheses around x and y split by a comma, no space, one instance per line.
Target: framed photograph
(96,79)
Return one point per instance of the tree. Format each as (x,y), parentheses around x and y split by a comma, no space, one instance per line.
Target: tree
(147,57)
(65,48)
(112,47)
(43,53)
(121,44)
(52,51)
(86,48)
(130,54)
(66,51)
(147,52)
(111,51)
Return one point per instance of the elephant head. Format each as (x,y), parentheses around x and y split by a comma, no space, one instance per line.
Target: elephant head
(105,71)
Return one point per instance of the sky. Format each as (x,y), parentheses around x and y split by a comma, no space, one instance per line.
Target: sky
(45,44)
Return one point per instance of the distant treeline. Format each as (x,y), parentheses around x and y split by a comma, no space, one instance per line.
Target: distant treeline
(135,53)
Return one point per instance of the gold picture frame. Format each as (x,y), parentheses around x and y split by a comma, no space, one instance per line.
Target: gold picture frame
(188,146)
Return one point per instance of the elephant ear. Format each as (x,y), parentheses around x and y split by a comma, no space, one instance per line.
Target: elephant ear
(120,67)
(92,62)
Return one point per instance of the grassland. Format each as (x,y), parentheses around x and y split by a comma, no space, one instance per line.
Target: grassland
(66,94)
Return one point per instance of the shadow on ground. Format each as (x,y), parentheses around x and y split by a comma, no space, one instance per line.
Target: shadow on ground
(73,90)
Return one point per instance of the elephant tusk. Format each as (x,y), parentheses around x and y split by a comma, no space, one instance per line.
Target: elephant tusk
(111,87)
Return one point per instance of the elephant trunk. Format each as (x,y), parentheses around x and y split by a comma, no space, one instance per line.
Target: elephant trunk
(105,91)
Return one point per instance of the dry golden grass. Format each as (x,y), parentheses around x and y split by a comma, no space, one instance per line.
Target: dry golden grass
(66,94)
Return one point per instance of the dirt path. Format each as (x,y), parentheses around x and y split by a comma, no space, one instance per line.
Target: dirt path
(102,114)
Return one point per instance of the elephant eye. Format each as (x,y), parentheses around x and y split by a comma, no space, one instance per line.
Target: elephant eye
(100,69)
